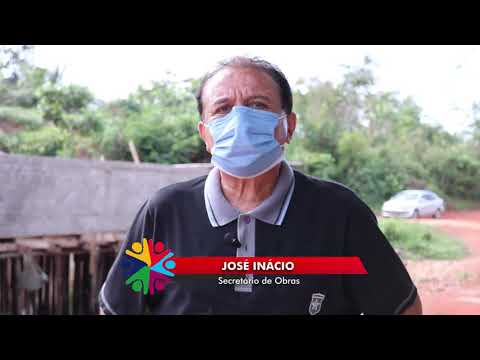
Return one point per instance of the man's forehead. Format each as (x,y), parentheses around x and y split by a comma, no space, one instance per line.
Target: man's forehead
(247,80)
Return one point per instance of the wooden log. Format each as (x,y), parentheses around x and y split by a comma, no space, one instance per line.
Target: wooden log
(76,284)
(66,283)
(47,285)
(8,285)
(42,297)
(8,249)
(82,283)
(25,244)
(20,294)
(14,307)
(133,152)
(93,270)
(86,283)
(58,284)
(51,288)
(76,267)
(3,285)
(71,274)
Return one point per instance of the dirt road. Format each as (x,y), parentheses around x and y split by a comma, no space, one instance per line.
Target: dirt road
(451,287)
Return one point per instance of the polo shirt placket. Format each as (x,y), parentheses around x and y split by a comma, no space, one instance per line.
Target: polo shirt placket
(246,236)
(272,211)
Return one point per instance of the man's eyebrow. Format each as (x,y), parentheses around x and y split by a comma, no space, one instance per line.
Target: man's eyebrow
(225,99)
(221,100)
(260,97)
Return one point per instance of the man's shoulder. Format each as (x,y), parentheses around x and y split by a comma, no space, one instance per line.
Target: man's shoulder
(324,187)
(331,193)
(177,193)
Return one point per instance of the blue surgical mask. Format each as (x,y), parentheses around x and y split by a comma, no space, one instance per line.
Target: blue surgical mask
(244,141)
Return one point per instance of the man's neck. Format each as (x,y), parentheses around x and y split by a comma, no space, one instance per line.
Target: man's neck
(247,194)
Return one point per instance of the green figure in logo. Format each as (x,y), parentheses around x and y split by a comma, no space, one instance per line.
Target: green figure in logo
(140,280)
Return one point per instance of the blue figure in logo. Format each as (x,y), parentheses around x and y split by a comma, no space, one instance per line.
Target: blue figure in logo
(164,265)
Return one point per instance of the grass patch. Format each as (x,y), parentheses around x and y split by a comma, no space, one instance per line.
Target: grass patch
(462,204)
(420,241)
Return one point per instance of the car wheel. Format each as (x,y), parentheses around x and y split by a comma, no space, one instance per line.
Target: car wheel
(437,214)
(415,214)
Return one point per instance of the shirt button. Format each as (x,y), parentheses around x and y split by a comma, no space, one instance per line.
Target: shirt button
(246,219)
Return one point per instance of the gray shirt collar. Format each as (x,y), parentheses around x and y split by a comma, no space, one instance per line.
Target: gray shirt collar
(272,210)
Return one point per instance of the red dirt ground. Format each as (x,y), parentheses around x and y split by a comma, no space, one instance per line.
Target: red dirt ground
(451,287)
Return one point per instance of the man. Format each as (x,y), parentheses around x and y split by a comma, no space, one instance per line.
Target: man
(253,203)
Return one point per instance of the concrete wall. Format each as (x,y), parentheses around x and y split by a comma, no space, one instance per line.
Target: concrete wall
(53,196)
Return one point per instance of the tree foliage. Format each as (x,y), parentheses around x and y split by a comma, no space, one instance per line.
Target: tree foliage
(374,142)
(377,143)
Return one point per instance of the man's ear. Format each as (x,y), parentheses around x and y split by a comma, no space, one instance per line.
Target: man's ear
(292,124)
(205,135)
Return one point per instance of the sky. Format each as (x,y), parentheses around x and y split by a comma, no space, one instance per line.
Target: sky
(443,80)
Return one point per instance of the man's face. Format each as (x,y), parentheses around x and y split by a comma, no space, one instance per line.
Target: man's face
(236,86)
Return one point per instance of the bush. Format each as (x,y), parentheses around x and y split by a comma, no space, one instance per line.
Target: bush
(113,143)
(162,138)
(28,118)
(47,141)
(78,146)
(56,102)
(85,123)
(321,165)
(5,142)
(374,173)
(421,241)
(455,171)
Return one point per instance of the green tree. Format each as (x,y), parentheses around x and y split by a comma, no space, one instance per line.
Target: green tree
(475,128)
(57,102)
(161,121)
(19,79)
(454,170)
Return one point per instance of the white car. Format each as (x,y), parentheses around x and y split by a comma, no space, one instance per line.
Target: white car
(414,204)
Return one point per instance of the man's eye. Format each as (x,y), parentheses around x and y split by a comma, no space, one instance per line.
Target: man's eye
(222,109)
(257,105)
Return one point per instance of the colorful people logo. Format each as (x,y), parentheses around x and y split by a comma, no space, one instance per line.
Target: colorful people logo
(147,266)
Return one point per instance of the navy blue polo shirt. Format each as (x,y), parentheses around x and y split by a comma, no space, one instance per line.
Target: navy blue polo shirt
(323,218)
(272,211)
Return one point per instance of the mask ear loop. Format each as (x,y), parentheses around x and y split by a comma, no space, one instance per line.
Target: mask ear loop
(283,119)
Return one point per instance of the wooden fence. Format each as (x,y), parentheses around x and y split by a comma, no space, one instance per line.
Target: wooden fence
(74,268)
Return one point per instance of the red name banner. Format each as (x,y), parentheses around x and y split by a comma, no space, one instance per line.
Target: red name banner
(337,265)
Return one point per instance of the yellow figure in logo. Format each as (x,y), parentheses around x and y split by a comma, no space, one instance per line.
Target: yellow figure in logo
(140,252)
